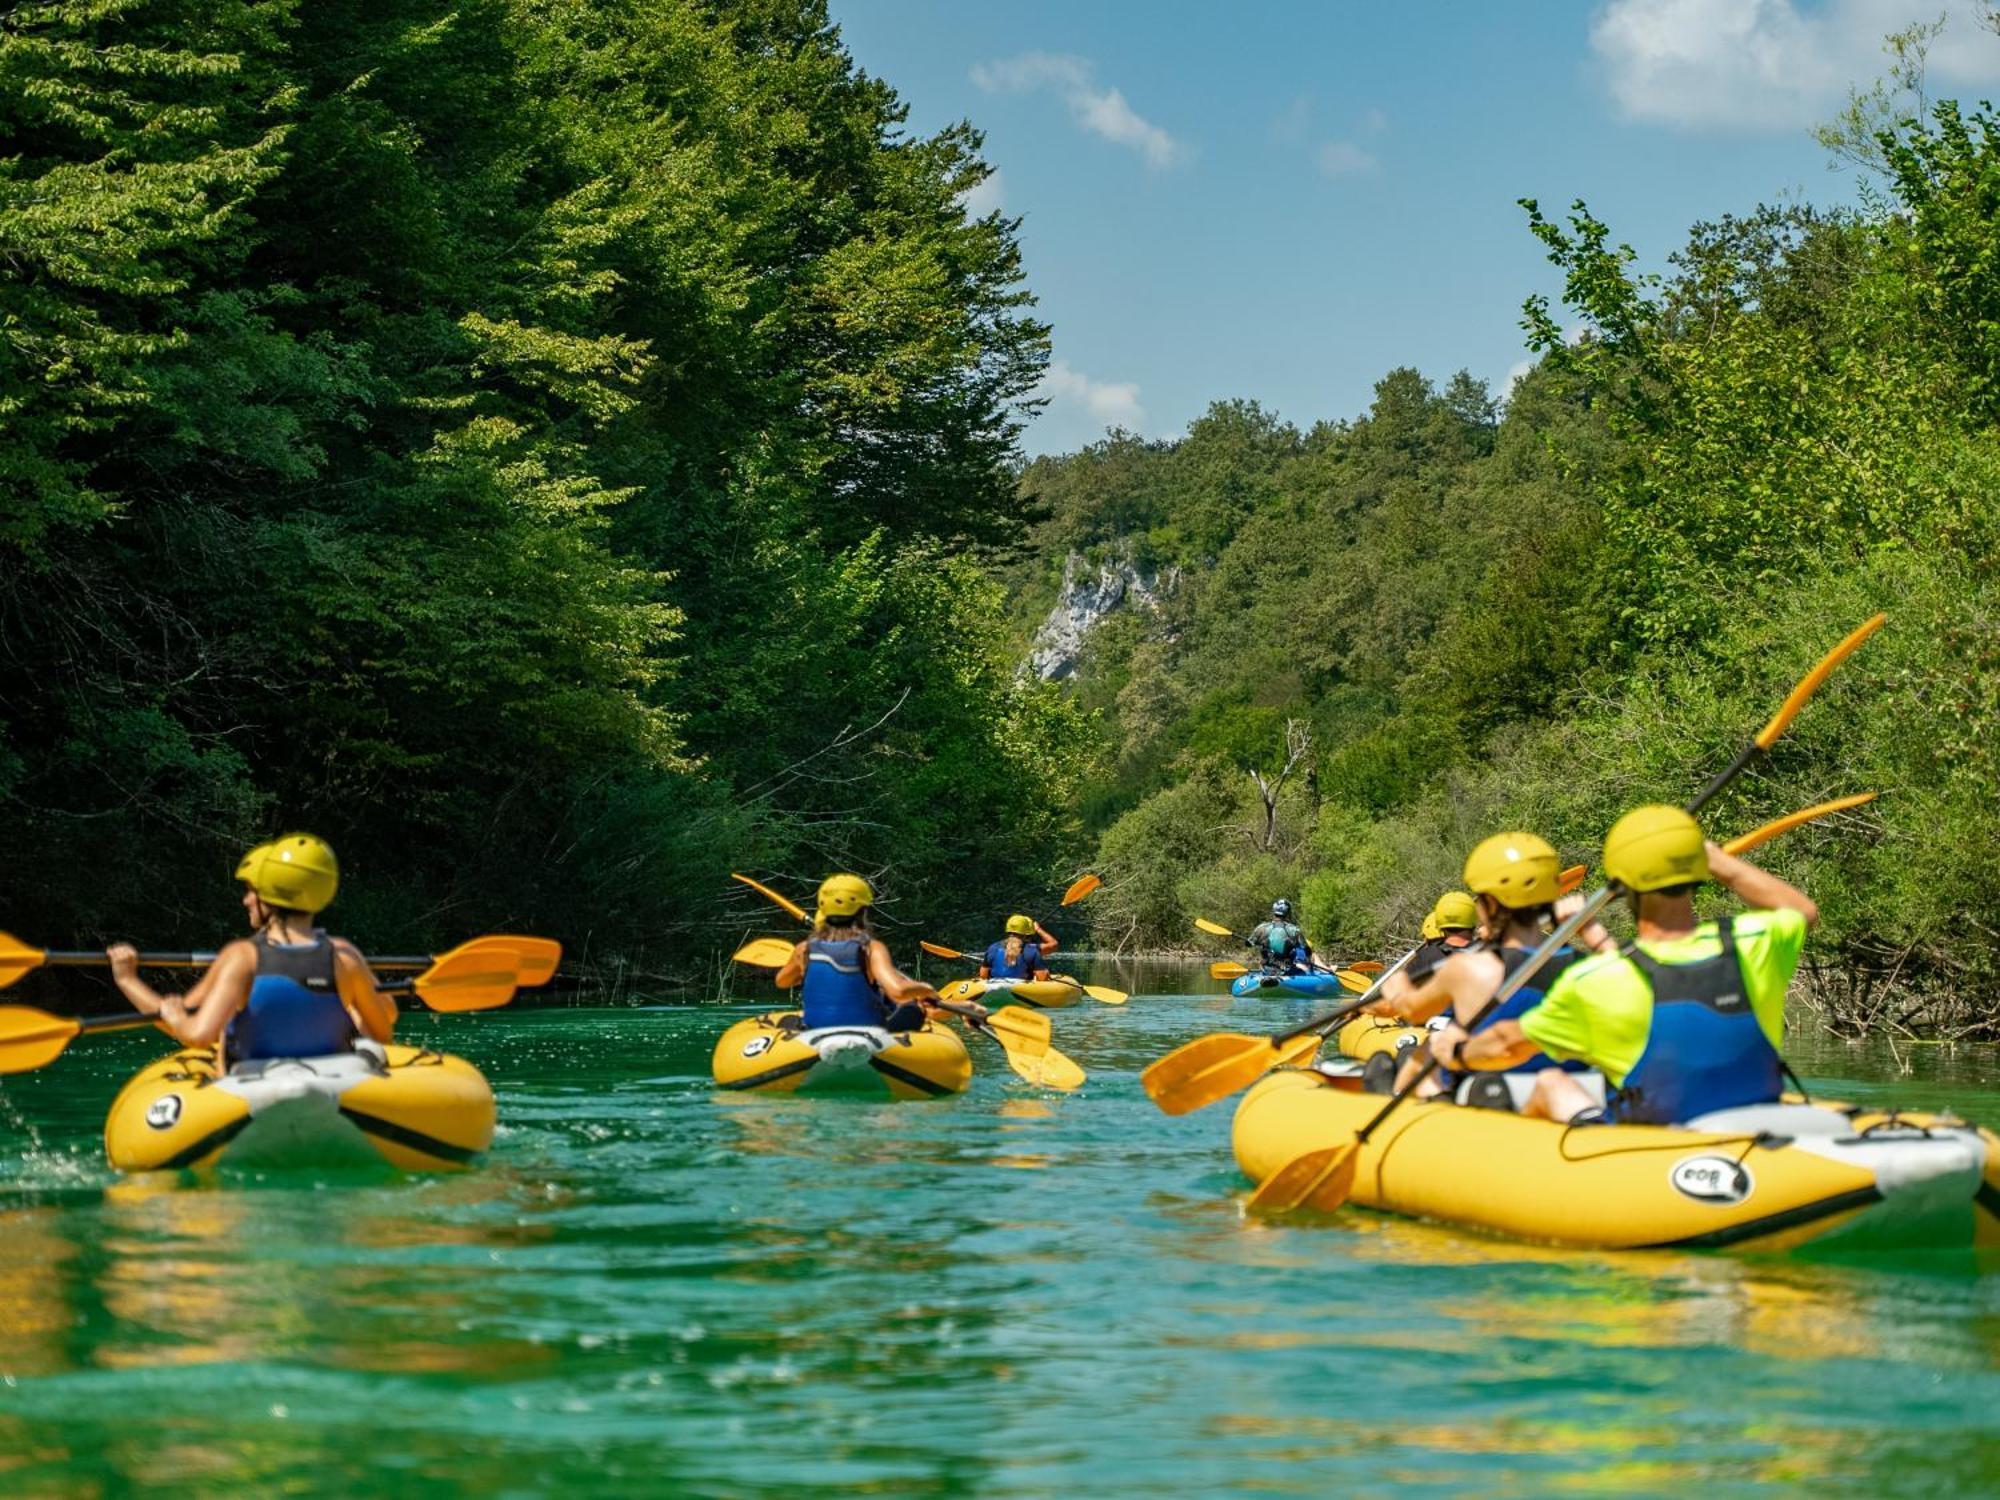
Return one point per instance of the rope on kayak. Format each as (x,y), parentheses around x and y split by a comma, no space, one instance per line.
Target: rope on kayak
(1750,1143)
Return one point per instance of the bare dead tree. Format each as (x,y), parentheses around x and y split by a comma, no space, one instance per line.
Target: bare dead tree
(1298,745)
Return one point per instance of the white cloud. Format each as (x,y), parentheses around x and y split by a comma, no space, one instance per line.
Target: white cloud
(984,197)
(1293,120)
(1516,373)
(1108,403)
(1344,159)
(1764,64)
(1101,111)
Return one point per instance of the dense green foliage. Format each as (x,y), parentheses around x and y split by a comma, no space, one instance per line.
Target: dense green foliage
(532,443)
(1541,618)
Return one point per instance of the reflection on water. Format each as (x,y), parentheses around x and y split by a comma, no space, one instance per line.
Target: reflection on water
(653,1288)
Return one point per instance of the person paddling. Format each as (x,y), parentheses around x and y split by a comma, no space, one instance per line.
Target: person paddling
(1513,878)
(845,974)
(1685,1020)
(1021,953)
(1281,944)
(288,990)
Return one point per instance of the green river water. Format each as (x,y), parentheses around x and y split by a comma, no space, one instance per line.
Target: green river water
(652,1288)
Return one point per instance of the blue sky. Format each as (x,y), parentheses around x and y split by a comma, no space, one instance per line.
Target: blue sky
(1284,200)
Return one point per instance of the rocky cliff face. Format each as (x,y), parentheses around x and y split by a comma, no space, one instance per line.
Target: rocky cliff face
(1090,592)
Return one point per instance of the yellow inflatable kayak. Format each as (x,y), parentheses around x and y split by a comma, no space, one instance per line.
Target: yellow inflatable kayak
(1042,994)
(771,1054)
(417,1110)
(1766,1177)
(1363,1037)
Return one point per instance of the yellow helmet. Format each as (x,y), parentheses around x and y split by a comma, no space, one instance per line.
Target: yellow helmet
(1456,909)
(1654,847)
(1021,925)
(1516,869)
(1431,928)
(843,896)
(297,872)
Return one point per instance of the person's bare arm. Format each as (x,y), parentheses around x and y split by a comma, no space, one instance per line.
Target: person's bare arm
(1500,1045)
(1048,939)
(793,974)
(374,1013)
(1760,889)
(892,981)
(200,1018)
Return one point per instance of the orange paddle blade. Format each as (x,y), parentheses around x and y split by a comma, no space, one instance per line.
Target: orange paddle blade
(478,979)
(1319,1179)
(1572,878)
(797,911)
(941,951)
(1368,966)
(536,958)
(16,959)
(31,1038)
(1213,1067)
(1809,684)
(1744,843)
(1082,886)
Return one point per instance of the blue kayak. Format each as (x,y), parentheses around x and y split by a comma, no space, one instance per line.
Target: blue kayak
(1274,985)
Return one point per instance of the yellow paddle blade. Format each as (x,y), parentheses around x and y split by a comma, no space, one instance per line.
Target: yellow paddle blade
(16,959)
(31,1038)
(798,912)
(1226,970)
(1024,1036)
(1058,1070)
(1354,981)
(1321,1179)
(941,951)
(1028,1030)
(1809,684)
(477,980)
(1213,1067)
(1744,843)
(764,953)
(1082,886)
(1213,927)
(1571,879)
(1105,994)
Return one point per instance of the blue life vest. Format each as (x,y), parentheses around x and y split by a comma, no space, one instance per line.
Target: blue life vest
(1704,1050)
(837,990)
(1282,946)
(294,1008)
(1023,967)
(1518,1004)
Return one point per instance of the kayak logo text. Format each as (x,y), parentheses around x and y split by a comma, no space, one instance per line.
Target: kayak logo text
(1711,1179)
(164,1113)
(757,1046)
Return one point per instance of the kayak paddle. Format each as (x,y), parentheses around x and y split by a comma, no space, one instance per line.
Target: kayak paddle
(536,958)
(467,978)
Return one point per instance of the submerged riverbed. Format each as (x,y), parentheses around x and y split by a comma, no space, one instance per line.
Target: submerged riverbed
(652,1288)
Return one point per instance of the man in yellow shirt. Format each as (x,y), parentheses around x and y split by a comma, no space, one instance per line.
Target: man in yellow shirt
(1686,1020)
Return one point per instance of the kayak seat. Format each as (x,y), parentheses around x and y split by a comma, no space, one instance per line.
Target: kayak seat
(1510,1091)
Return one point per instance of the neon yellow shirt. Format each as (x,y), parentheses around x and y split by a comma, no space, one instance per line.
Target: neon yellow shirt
(1601,1009)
